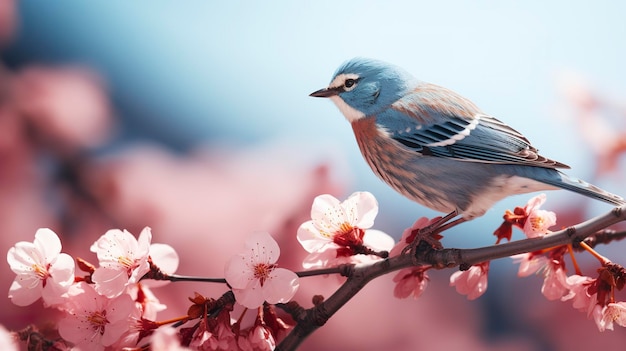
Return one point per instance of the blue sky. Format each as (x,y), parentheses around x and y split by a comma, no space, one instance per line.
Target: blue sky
(240,72)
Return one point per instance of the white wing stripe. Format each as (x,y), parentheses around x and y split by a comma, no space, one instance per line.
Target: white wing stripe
(459,136)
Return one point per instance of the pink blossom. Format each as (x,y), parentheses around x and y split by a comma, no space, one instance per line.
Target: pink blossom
(530,263)
(123,260)
(411,281)
(94,321)
(257,338)
(214,334)
(472,282)
(597,313)
(579,293)
(613,312)
(42,270)
(145,300)
(67,104)
(554,283)
(338,229)
(255,277)
(137,329)
(537,221)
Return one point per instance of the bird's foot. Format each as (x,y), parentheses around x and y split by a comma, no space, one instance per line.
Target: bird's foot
(430,235)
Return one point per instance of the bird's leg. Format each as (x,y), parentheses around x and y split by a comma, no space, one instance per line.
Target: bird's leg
(439,225)
(446,226)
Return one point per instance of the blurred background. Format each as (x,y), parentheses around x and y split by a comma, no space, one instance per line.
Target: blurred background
(194,119)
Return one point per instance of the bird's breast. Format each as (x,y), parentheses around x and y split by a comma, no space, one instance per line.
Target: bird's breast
(377,147)
(398,166)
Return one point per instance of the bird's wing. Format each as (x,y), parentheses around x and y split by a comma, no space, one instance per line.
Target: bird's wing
(435,121)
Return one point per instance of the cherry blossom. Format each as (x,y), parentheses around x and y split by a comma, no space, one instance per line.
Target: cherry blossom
(93,321)
(472,282)
(538,221)
(123,260)
(613,312)
(530,263)
(138,328)
(255,277)
(341,229)
(552,266)
(411,281)
(533,221)
(42,270)
(214,334)
(145,300)
(554,284)
(142,317)
(260,338)
(597,313)
(578,286)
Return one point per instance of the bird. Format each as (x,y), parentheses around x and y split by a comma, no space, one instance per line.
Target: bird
(437,147)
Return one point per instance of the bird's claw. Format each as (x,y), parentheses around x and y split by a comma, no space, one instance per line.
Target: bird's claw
(428,235)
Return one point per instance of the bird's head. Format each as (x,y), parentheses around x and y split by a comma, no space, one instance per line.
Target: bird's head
(364,87)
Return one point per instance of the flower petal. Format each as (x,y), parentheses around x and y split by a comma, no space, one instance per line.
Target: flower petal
(319,259)
(164,257)
(48,243)
(264,248)
(328,215)
(281,287)
(238,272)
(310,237)
(378,240)
(109,282)
(534,203)
(24,296)
(322,204)
(250,297)
(143,242)
(361,208)
(23,256)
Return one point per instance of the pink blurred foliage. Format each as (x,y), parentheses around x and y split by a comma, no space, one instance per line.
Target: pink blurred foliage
(600,119)
(8,20)
(67,105)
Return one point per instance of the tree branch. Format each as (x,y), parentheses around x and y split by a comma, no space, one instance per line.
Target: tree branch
(315,317)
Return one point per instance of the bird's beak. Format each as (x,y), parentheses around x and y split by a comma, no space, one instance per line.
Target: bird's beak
(326,92)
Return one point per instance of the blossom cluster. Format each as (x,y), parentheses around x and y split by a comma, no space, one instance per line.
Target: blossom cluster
(108,306)
(112,306)
(595,296)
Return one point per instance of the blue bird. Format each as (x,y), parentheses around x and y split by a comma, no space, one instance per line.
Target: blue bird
(439,149)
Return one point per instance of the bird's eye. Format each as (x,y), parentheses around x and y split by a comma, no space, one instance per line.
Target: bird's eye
(349,83)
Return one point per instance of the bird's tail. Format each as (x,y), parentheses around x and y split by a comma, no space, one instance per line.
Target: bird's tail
(580,186)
